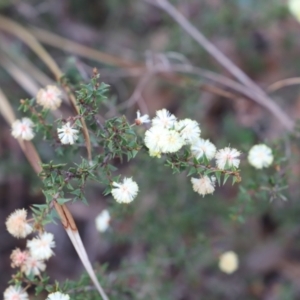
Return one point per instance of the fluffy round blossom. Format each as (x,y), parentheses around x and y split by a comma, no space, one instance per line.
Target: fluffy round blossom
(160,140)
(204,185)
(23,129)
(164,119)
(189,130)
(40,247)
(201,147)
(49,97)
(125,192)
(17,224)
(67,134)
(155,139)
(294,8)
(18,258)
(228,262)
(15,293)
(260,156)
(141,119)
(58,296)
(227,157)
(102,221)
(173,142)
(33,266)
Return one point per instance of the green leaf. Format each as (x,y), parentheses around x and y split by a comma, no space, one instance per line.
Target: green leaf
(241,219)
(134,153)
(62,201)
(70,187)
(48,195)
(107,191)
(226,176)
(84,200)
(218,176)
(39,289)
(192,171)
(242,189)
(76,192)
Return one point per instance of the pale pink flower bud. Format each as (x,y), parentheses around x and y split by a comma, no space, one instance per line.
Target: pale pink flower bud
(204,185)
(18,258)
(17,224)
(33,266)
(49,97)
(15,293)
(23,129)
(227,157)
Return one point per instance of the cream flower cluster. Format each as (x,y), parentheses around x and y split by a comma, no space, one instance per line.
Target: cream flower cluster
(23,129)
(26,262)
(18,226)
(225,158)
(169,135)
(49,98)
(32,260)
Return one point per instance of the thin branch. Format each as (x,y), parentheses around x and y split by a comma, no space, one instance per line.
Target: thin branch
(136,69)
(220,92)
(217,78)
(72,231)
(283,83)
(181,68)
(57,41)
(27,66)
(23,79)
(205,43)
(260,95)
(137,94)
